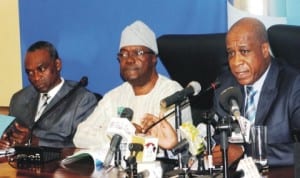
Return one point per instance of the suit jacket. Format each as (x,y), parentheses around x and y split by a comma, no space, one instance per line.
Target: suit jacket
(278,108)
(58,127)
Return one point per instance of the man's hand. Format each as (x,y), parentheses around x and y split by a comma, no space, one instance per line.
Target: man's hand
(167,137)
(20,134)
(34,140)
(4,142)
(16,135)
(138,128)
(234,153)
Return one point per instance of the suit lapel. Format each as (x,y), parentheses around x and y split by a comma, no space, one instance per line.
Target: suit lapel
(60,94)
(268,94)
(32,105)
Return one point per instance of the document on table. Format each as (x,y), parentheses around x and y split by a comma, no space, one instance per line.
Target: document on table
(5,121)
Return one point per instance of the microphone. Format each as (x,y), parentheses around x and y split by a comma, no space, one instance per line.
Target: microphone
(192,139)
(119,128)
(143,174)
(126,113)
(182,146)
(83,81)
(230,100)
(238,174)
(137,147)
(114,146)
(213,86)
(121,125)
(193,88)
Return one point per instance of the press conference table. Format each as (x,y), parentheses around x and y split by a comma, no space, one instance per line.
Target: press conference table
(82,170)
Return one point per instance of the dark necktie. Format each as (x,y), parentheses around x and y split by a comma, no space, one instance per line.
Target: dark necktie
(250,105)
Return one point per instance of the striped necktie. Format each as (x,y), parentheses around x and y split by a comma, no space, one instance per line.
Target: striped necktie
(250,105)
(42,105)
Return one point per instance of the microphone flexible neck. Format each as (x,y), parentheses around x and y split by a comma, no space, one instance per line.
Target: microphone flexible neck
(163,118)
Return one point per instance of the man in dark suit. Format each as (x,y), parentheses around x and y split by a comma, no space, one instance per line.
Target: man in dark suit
(277,86)
(53,121)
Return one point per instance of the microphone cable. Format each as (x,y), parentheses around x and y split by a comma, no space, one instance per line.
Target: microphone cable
(212,86)
(166,116)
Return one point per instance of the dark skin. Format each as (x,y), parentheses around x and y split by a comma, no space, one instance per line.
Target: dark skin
(248,54)
(249,58)
(44,74)
(140,72)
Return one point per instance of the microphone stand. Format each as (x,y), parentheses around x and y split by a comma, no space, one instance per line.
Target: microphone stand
(118,158)
(131,161)
(178,122)
(182,170)
(224,126)
(209,147)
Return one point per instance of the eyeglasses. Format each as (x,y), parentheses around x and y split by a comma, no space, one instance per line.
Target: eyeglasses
(139,53)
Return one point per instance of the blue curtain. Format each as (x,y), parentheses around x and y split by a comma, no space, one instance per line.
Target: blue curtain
(87,32)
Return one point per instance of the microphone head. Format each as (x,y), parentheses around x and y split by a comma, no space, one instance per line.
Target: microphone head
(126,113)
(231,93)
(114,146)
(144,173)
(83,81)
(196,86)
(137,147)
(182,146)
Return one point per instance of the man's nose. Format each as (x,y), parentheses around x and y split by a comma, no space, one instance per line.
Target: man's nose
(236,59)
(35,76)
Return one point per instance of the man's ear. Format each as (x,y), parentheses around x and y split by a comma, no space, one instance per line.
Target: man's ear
(154,59)
(58,64)
(265,49)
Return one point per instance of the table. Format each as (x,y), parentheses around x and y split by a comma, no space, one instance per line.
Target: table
(51,169)
(84,169)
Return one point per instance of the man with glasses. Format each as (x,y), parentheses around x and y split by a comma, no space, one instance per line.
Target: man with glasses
(47,91)
(142,91)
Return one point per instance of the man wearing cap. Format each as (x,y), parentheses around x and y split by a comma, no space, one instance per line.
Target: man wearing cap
(142,91)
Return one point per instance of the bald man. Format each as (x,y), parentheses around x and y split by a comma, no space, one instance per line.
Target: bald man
(277,87)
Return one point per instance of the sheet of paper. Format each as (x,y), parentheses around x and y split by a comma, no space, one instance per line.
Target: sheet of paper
(5,121)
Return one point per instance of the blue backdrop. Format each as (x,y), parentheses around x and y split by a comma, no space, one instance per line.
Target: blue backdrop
(87,32)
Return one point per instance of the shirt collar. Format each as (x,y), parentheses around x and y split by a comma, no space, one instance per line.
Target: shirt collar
(51,93)
(259,83)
